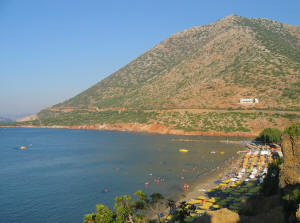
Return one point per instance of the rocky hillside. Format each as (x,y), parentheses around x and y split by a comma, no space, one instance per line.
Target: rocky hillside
(210,66)
(193,81)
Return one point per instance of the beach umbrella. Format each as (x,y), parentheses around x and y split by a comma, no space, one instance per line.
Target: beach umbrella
(194,202)
(216,206)
(208,204)
(202,198)
(226,181)
(200,211)
(212,200)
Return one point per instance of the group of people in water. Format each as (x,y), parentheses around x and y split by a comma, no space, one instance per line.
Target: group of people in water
(156,180)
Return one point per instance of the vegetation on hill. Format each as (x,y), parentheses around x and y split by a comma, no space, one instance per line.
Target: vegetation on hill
(208,67)
(229,121)
(270,135)
(205,67)
(293,130)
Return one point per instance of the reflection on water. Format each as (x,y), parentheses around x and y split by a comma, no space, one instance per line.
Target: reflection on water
(64,173)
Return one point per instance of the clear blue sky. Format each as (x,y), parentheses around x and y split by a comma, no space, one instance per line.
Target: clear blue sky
(51,50)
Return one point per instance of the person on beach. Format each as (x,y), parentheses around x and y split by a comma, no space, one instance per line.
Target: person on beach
(186,187)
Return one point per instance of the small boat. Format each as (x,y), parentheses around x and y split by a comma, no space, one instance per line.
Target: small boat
(23,147)
(212,152)
(183,150)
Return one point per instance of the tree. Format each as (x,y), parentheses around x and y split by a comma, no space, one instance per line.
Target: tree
(103,215)
(172,205)
(123,209)
(270,135)
(183,211)
(140,205)
(126,210)
(156,204)
(293,130)
(89,218)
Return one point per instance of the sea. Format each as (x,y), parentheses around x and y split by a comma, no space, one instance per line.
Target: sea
(62,174)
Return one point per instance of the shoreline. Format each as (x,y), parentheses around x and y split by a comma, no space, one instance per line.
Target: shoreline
(205,182)
(142,128)
(235,180)
(200,186)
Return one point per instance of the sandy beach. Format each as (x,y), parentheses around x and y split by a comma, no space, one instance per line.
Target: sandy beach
(232,182)
(205,182)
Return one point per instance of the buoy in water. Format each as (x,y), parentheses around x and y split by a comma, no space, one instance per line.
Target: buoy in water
(106,190)
(23,147)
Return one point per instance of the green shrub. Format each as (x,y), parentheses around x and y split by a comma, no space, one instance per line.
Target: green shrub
(293,130)
(270,135)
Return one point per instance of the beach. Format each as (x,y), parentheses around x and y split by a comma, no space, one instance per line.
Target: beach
(231,183)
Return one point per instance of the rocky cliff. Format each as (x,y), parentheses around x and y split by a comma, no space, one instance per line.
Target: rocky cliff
(290,169)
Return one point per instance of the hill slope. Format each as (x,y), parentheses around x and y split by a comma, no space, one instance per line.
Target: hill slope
(193,81)
(208,66)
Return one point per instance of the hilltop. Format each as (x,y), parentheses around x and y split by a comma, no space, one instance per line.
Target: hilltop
(207,67)
(194,80)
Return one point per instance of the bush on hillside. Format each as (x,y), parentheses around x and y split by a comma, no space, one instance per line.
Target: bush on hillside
(293,130)
(270,135)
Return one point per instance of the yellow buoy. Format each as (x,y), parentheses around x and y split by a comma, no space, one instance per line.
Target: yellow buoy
(23,147)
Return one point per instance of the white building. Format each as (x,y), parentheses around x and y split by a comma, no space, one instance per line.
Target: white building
(248,100)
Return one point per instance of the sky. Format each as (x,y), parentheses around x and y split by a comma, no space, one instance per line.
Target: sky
(51,50)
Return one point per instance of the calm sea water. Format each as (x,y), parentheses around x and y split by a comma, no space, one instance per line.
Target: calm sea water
(63,173)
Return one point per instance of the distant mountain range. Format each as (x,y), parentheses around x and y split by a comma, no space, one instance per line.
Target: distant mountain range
(189,79)
(5,119)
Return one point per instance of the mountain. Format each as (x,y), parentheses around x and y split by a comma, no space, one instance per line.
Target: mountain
(206,67)
(27,118)
(2,119)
